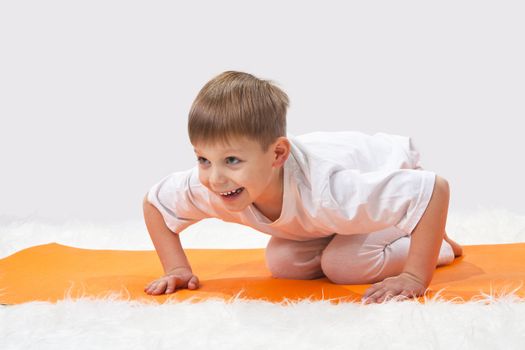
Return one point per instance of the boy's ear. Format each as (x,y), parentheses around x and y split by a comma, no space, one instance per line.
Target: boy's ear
(281,151)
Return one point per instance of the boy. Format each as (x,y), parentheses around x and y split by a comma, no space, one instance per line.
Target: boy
(352,207)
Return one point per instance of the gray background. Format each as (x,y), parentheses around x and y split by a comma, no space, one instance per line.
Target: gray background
(94,95)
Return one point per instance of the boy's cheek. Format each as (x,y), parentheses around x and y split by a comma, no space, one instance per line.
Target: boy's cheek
(207,185)
(204,181)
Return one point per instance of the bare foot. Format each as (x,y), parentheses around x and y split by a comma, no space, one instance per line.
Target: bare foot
(458,250)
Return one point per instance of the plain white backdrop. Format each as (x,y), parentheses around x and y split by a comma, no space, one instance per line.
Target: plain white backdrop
(94,95)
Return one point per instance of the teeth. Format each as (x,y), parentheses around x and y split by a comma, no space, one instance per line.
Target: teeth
(230,192)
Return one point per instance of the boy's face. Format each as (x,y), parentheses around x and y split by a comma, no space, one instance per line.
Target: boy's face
(241,173)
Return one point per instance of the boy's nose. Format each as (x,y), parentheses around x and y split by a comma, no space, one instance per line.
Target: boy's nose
(217,180)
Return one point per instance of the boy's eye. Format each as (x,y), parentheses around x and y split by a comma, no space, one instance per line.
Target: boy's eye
(202,160)
(232,160)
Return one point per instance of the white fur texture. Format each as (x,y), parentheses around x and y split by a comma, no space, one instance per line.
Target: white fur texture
(489,323)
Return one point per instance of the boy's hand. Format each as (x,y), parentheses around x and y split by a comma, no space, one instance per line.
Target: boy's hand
(405,285)
(178,278)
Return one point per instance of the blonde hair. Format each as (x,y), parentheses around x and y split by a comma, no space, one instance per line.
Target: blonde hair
(238,104)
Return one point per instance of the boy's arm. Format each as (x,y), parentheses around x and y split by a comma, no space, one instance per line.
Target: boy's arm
(425,244)
(167,244)
(427,237)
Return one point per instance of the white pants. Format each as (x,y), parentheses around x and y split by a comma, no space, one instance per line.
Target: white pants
(345,259)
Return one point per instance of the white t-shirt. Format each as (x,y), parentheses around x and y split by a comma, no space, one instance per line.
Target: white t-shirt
(334,182)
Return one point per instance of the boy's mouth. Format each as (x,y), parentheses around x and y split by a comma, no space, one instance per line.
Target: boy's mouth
(231,194)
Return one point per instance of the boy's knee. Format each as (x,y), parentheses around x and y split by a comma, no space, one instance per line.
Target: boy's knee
(277,257)
(282,262)
(359,263)
(349,267)
(340,268)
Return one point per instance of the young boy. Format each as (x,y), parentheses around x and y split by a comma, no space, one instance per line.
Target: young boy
(349,206)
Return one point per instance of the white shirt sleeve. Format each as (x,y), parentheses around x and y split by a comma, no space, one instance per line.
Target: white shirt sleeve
(363,202)
(176,197)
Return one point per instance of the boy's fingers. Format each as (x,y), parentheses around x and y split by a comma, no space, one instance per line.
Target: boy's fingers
(408,294)
(372,290)
(378,295)
(194,282)
(169,285)
(386,297)
(172,284)
(405,295)
(151,286)
(160,288)
(369,292)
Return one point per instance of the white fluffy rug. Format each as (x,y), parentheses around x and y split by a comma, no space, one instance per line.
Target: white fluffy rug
(494,322)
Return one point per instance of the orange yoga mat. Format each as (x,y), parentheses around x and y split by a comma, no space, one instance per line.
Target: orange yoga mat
(53,272)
